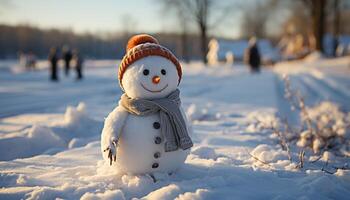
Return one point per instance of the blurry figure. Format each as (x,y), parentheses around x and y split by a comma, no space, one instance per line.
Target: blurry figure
(252,56)
(67,57)
(53,58)
(23,60)
(31,61)
(78,59)
(343,50)
(27,60)
(230,58)
(335,43)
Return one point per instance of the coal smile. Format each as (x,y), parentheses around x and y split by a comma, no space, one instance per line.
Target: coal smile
(154,91)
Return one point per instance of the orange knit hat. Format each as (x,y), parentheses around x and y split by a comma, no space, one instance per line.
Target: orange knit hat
(143,45)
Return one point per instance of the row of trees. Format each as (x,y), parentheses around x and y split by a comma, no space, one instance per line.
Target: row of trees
(25,39)
(203,13)
(206,15)
(18,39)
(257,14)
(319,10)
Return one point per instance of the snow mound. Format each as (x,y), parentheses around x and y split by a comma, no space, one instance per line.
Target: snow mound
(268,154)
(76,142)
(76,130)
(107,195)
(258,121)
(37,140)
(204,152)
(331,127)
(74,115)
(197,113)
(199,194)
(38,134)
(44,134)
(168,192)
(329,114)
(314,56)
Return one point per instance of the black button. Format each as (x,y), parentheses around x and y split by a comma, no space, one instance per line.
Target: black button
(156,125)
(156,155)
(155,165)
(158,140)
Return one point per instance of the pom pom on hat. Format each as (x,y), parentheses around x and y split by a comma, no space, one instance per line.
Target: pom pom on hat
(143,45)
(140,39)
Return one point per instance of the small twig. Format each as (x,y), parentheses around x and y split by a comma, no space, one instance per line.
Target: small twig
(297,101)
(344,167)
(317,159)
(301,159)
(325,170)
(328,172)
(257,159)
(282,139)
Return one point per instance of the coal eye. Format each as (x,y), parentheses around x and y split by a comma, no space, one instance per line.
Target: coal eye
(145,72)
(163,71)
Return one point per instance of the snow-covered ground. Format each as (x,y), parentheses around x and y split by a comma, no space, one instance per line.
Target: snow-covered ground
(50,133)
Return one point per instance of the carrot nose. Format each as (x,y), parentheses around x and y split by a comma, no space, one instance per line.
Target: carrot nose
(156,79)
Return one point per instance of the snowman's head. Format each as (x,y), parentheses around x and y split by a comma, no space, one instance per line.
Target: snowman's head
(148,70)
(150,77)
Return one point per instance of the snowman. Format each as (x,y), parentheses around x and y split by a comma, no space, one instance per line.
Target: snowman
(148,131)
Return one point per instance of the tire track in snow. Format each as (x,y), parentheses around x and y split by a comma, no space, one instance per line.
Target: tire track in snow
(325,91)
(313,89)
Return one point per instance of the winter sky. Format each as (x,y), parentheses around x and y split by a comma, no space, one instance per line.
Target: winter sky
(98,16)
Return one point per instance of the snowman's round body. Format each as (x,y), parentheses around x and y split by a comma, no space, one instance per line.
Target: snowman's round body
(141,147)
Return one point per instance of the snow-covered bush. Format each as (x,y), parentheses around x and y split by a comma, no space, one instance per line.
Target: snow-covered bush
(107,195)
(266,153)
(323,130)
(329,128)
(204,152)
(323,127)
(74,114)
(260,121)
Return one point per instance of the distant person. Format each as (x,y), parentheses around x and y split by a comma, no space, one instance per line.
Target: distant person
(252,56)
(53,58)
(67,57)
(335,46)
(23,60)
(31,61)
(78,64)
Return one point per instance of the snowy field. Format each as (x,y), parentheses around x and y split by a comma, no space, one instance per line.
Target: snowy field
(50,135)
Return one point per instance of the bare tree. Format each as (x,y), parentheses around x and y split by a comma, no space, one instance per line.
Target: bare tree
(316,9)
(314,18)
(336,25)
(202,13)
(255,17)
(184,37)
(182,24)
(336,13)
